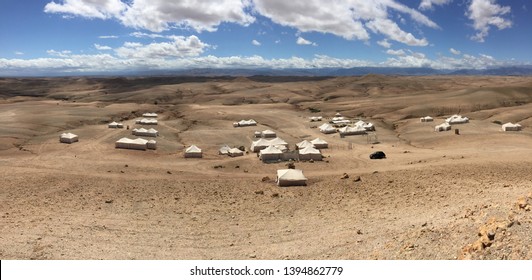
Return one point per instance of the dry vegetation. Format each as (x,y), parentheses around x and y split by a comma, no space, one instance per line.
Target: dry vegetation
(436,196)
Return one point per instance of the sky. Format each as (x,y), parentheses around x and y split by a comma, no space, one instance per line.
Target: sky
(70,37)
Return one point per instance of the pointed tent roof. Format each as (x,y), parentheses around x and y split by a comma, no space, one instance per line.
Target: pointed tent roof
(193,149)
(68,135)
(290,174)
(267,131)
(277,141)
(235,151)
(318,141)
(324,126)
(304,143)
(260,142)
(224,149)
(152,130)
(139,141)
(270,150)
(113,123)
(309,150)
(143,130)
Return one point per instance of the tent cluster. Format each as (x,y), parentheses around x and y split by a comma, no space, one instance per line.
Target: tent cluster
(242,123)
(511,127)
(352,130)
(145,132)
(68,138)
(456,119)
(147,121)
(150,115)
(426,119)
(442,127)
(136,144)
(262,143)
(115,125)
(315,119)
(232,152)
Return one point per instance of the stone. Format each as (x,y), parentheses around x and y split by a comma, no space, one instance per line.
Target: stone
(344,176)
(357,179)
(259,192)
(265,179)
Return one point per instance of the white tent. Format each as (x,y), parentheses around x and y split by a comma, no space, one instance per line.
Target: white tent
(250,122)
(259,145)
(426,119)
(337,115)
(366,125)
(442,127)
(511,127)
(193,152)
(68,138)
(278,141)
(145,132)
(152,145)
(268,134)
(150,115)
(352,130)
(456,119)
(303,144)
(320,143)
(257,134)
(234,152)
(327,128)
(135,144)
(224,150)
(147,121)
(315,119)
(270,153)
(309,153)
(291,177)
(115,125)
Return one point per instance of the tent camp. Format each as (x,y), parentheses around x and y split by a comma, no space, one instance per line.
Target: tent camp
(268,134)
(259,145)
(145,132)
(270,153)
(290,177)
(224,150)
(366,125)
(115,125)
(309,153)
(511,127)
(68,138)
(352,130)
(456,119)
(315,119)
(134,144)
(242,123)
(320,143)
(426,119)
(234,152)
(193,152)
(442,127)
(149,115)
(304,144)
(327,128)
(147,121)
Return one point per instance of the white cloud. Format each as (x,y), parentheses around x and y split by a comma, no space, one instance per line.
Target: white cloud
(429,4)
(255,43)
(179,47)
(399,52)
(19,53)
(384,43)
(394,32)
(486,13)
(102,47)
(455,52)
(302,41)
(102,9)
(64,53)
(108,37)
(146,35)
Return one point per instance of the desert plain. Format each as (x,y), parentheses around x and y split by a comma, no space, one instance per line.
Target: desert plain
(437,195)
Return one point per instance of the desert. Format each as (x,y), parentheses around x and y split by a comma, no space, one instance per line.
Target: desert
(463,194)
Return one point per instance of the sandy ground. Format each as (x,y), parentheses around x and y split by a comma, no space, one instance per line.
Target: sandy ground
(436,196)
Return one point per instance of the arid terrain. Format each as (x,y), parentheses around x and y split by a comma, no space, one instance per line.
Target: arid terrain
(437,195)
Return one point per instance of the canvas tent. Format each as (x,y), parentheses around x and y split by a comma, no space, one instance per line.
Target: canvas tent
(68,138)
(310,153)
(268,134)
(193,152)
(241,123)
(426,119)
(145,132)
(134,144)
(115,125)
(442,127)
(303,144)
(147,121)
(150,115)
(352,130)
(320,143)
(315,119)
(366,125)
(511,127)
(456,119)
(259,145)
(234,152)
(278,142)
(290,177)
(224,150)
(257,134)
(337,115)
(152,145)
(327,128)
(270,153)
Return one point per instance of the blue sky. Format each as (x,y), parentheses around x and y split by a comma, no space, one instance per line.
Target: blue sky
(108,36)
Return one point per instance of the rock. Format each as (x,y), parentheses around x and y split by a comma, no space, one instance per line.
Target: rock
(359,231)
(109,201)
(275,195)
(344,176)
(311,161)
(126,165)
(259,192)
(265,179)
(168,172)
(522,202)
(237,166)
(121,171)
(252,256)
(357,179)
(291,165)
(218,166)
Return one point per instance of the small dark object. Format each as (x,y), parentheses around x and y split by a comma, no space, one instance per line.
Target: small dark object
(377,155)
(457,131)
(126,165)
(168,172)
(127,127)
(109,201)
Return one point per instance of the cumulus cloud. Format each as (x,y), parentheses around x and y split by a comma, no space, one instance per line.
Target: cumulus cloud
(394,32)
(159,15)
(255,43)
(487,13)
(429,4)
(399,52)
(64,53)
(384,43)
(179,46)
(302,41)
(102,47)
(455,52)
